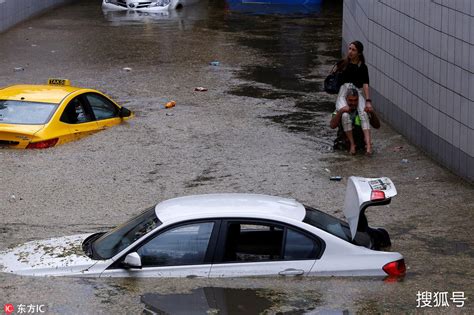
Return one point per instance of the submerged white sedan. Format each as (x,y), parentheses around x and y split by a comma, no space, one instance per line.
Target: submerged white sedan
(225,235)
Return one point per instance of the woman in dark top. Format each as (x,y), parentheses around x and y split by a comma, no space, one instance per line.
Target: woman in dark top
(355,74)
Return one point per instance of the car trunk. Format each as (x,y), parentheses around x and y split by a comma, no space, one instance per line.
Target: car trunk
(362,193)
(17,136)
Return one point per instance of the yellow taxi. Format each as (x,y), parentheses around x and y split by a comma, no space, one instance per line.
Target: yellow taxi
(42,116)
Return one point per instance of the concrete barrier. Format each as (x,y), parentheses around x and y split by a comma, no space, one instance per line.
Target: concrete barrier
(15,11)
(420,56)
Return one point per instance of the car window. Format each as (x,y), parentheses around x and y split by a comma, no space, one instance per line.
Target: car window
(247,242)
(101,106)
(299,246)
(75,112)
(327,223)
(30,113)
(184,245)
(253,242)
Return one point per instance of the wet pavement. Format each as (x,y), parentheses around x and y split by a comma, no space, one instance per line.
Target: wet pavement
(261,127)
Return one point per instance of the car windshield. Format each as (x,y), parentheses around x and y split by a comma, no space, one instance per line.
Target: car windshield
(327,223)
(112,242)
(25,113)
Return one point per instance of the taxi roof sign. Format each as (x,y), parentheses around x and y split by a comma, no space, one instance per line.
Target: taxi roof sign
(55,81)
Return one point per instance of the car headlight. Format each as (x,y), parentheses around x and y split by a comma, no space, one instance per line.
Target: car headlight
(161,3)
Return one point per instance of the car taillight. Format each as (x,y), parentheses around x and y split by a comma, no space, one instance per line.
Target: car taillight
(377,195)
(43,144)
(395,268)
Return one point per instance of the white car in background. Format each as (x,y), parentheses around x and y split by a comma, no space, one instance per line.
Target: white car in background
(150,6)
(225,235)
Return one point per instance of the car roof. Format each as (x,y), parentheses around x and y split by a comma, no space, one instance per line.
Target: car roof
(37,93)
(229,205)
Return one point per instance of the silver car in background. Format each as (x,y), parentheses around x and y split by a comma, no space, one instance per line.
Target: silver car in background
(150,6)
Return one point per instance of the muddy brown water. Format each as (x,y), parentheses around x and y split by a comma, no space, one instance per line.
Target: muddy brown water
(262,127)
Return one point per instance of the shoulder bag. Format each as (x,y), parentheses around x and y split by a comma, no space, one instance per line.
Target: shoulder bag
(333,81)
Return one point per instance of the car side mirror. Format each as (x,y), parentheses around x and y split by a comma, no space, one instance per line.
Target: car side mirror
(133,260)
(124,112)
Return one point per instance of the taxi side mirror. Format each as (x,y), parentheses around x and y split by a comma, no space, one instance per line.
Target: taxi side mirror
(133,260)
(124,112)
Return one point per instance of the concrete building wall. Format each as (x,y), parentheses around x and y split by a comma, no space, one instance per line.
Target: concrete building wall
(15,11)
(420,56)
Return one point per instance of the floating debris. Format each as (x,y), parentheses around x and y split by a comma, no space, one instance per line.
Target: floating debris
(170,104)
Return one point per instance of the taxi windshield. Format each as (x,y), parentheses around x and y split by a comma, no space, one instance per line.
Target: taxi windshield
(114,241)
(25,113)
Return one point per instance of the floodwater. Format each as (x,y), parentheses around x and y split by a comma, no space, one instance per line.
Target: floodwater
(262,127)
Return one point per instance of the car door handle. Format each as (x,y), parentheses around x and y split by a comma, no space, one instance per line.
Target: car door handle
(291,272)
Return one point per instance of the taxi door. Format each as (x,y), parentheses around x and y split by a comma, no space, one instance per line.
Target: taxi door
(105,111)
(79,118)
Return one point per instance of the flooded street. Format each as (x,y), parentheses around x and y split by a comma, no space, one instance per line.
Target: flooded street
(262,127)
